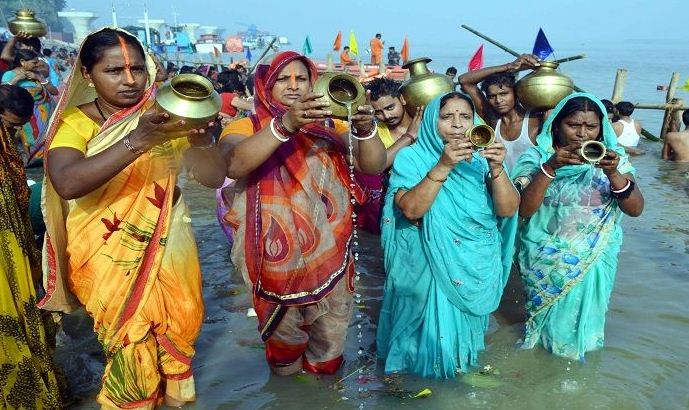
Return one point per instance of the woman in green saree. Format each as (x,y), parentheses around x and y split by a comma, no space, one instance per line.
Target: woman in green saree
(572,235)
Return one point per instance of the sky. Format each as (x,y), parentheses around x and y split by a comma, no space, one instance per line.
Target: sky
(565,22)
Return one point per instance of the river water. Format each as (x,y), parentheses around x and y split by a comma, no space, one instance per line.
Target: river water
(644,365)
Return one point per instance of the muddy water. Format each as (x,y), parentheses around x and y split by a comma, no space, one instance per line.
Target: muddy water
(644,364)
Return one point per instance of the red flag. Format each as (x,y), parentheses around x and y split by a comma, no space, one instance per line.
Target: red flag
(338,41)
(404,52)
(476,62)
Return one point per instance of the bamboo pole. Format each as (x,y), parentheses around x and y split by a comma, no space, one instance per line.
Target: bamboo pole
(671,106)
(270,47)
(618,88)
(677,114)
(672,88)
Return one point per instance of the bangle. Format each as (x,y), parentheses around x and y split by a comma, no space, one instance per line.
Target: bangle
(494,177)
(371,134)
(546,172)
(44,82)
(625,192)
(440,181)
(280,127)
(130,147)
(278,136)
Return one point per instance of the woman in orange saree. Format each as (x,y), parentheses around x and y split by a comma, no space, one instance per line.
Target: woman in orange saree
(293,216)
(119,240)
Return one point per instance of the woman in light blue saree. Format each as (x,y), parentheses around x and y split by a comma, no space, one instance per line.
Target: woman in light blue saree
(448,231)
(572,235)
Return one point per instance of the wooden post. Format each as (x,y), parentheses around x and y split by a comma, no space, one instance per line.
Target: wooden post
(618,88)
(329,66)
(676,116)
(668,99)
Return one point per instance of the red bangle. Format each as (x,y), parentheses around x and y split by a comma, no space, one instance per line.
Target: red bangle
(280,127)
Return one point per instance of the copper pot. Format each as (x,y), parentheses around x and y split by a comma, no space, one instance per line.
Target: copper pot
(423,86)
(189,97)
(542,89)
(25,21)
(592,151)
(480,136)
(340,90)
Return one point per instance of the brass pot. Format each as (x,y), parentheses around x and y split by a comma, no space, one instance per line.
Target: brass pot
(423,86)
(189,97)
(543,88)
(592,151)
(25,20)
(480,136)
(340,90)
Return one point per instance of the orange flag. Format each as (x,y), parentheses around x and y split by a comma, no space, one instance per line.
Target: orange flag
(216,52)
(338,41)
(404,53)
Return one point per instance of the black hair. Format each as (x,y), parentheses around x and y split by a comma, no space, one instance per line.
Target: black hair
(500,79)
(685,117)
(23,54)
(16,100)
(625,108)
(572,106)
(186,69)
(380,87)
(451,70)
(227,76)
(96,43)
(346,47)
(609,106)
(33,42)
(47,52)
(233,85)
(456,94)
(378,35)
(391,48)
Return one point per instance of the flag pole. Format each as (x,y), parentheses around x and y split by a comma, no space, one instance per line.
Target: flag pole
(270,46)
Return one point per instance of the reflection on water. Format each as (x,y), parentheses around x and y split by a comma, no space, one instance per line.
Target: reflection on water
(643,365)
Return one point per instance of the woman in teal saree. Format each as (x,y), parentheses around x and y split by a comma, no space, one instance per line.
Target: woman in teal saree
(448,231)
(572,235)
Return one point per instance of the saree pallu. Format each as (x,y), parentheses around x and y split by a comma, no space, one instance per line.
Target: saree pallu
(128,255)
(27,378)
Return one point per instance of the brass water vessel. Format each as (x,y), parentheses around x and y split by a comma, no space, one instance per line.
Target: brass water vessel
(25,21)
(481,136)
(423,85)
(542,89)
(189,97)
(341,90)
(592,151)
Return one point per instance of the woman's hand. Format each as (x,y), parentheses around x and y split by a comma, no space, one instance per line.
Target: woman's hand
(307,109)
(362,120)
(567,155)
(524,62)
(203,137)
(155,128)
(495,154)
(413,129)
(456,150)
(609,163)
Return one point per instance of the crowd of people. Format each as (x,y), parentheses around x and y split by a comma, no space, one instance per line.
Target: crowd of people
(454,221)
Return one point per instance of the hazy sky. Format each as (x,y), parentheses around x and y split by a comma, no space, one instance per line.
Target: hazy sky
(565,22)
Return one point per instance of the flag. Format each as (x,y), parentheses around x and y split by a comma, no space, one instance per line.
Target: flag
(353,46)
(338,42)
(685,87)
(541,47)
(216,52)
(404,52)
(248,54)
(306,48)
(476,62)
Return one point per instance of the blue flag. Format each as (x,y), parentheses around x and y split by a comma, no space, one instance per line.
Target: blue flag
(541,47)
(248,54)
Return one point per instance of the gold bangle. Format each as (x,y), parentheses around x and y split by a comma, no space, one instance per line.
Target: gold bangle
(440,181)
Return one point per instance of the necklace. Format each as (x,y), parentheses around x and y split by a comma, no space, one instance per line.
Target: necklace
(95,102)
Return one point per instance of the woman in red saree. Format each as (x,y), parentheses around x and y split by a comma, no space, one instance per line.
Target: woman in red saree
(292,211)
